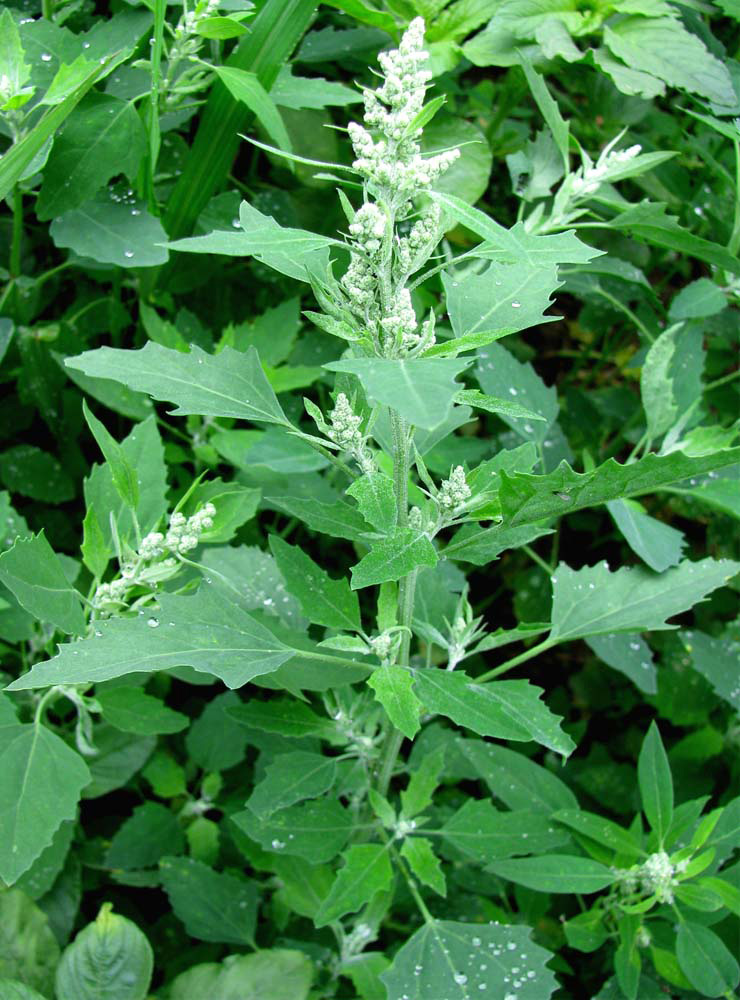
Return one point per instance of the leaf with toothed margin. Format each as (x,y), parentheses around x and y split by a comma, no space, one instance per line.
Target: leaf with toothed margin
(205,631)
(462,961)
(228,384)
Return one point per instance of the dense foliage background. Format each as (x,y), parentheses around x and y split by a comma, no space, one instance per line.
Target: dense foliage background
(130,125)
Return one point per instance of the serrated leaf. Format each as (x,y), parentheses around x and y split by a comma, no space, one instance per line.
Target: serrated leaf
(375,496)
(565,873)
(509,710)
(656,783)
(421,390)
(214,906)
(337,519)
(526,499)
(492,404)
(291,778)
(35,574)
(393,557)
(595,601)
(367,871)
(205,631)
(393,687)
(424,863)
(315,830)
(459,961)
(41,787)
(228,384)
(324,601)
(503,298)
(484,833)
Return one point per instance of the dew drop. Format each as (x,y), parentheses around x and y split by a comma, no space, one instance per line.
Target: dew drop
(45,57)
(153,622)
(460,978)
(128,253)
(516,304)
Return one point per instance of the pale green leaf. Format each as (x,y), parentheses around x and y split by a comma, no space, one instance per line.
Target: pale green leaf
(214,906)
(424,864)
(718,660)
(705,960)
(35,574)
(291,778)
(485,833)
(602,830)
(658,544)
(315,831)
(41,787)
(394,557)
(112,232)
(277,974)
(509,710)
(516,780)
(595,601)
(246,87)
(656,783)
(501,375)
(462,961)
(367,871)
(421,390)
(205,631)
(393,689)
(324,601)
(228,384)
(376,499)
(132,710)
(280,715)
(336,519)
(628,653)
(310,92)
(564,873)
(492,404)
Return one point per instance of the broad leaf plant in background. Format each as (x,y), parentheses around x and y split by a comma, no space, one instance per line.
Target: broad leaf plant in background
(404,666)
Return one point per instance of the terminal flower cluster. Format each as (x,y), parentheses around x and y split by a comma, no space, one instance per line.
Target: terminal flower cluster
(454,491)
(344,431)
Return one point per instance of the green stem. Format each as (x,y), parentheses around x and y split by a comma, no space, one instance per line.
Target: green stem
(411,883)
(47,9)
(528,654)
(629,313)
(538,559)
(734,245)
(15,246)
(722,381)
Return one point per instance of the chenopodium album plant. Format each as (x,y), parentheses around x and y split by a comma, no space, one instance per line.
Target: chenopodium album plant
(386,669)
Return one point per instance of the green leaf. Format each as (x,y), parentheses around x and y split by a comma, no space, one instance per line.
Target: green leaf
(658,544)
(600,829)
(367,871)
(421,390)
(484,833)
(43,873)
(301,93)
(394,557)
(246,87)
(393,689)
(715,659)
(705,960)
(656,783)
(337,519)
(459,961)
(672,54)
(595,601)
(102,138)
(215,741)
(549,110)
(213,906)
(42,782)
(323,600)
(125,478)
(376,500)
(228,384)
(294,252)
(697,300)
(630,654)
(277,974)
(112,232)
(517,244)
(291,778)
(151,832)
(419,792)
(424,864)
(144,451)
(14,70)
(34,473)
(221,28)
(526,499)
(501,299)
(469,175)
(516,780)
(95,551)
(315,831)
(501,375)
(492,404)
(133,711)
(29,950)
(280,715)
(204,631)
(565,873)
(656,384)
(508,710)
(34,573)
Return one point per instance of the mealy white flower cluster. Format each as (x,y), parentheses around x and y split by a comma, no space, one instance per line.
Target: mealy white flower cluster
(147,567)
(344,431)
(657,875)
(388,156)
(590,176)
(454,491)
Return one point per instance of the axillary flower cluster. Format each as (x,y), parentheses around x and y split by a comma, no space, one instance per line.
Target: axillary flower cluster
(389,238)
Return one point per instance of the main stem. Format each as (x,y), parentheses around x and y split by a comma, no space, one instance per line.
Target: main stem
(406,588)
